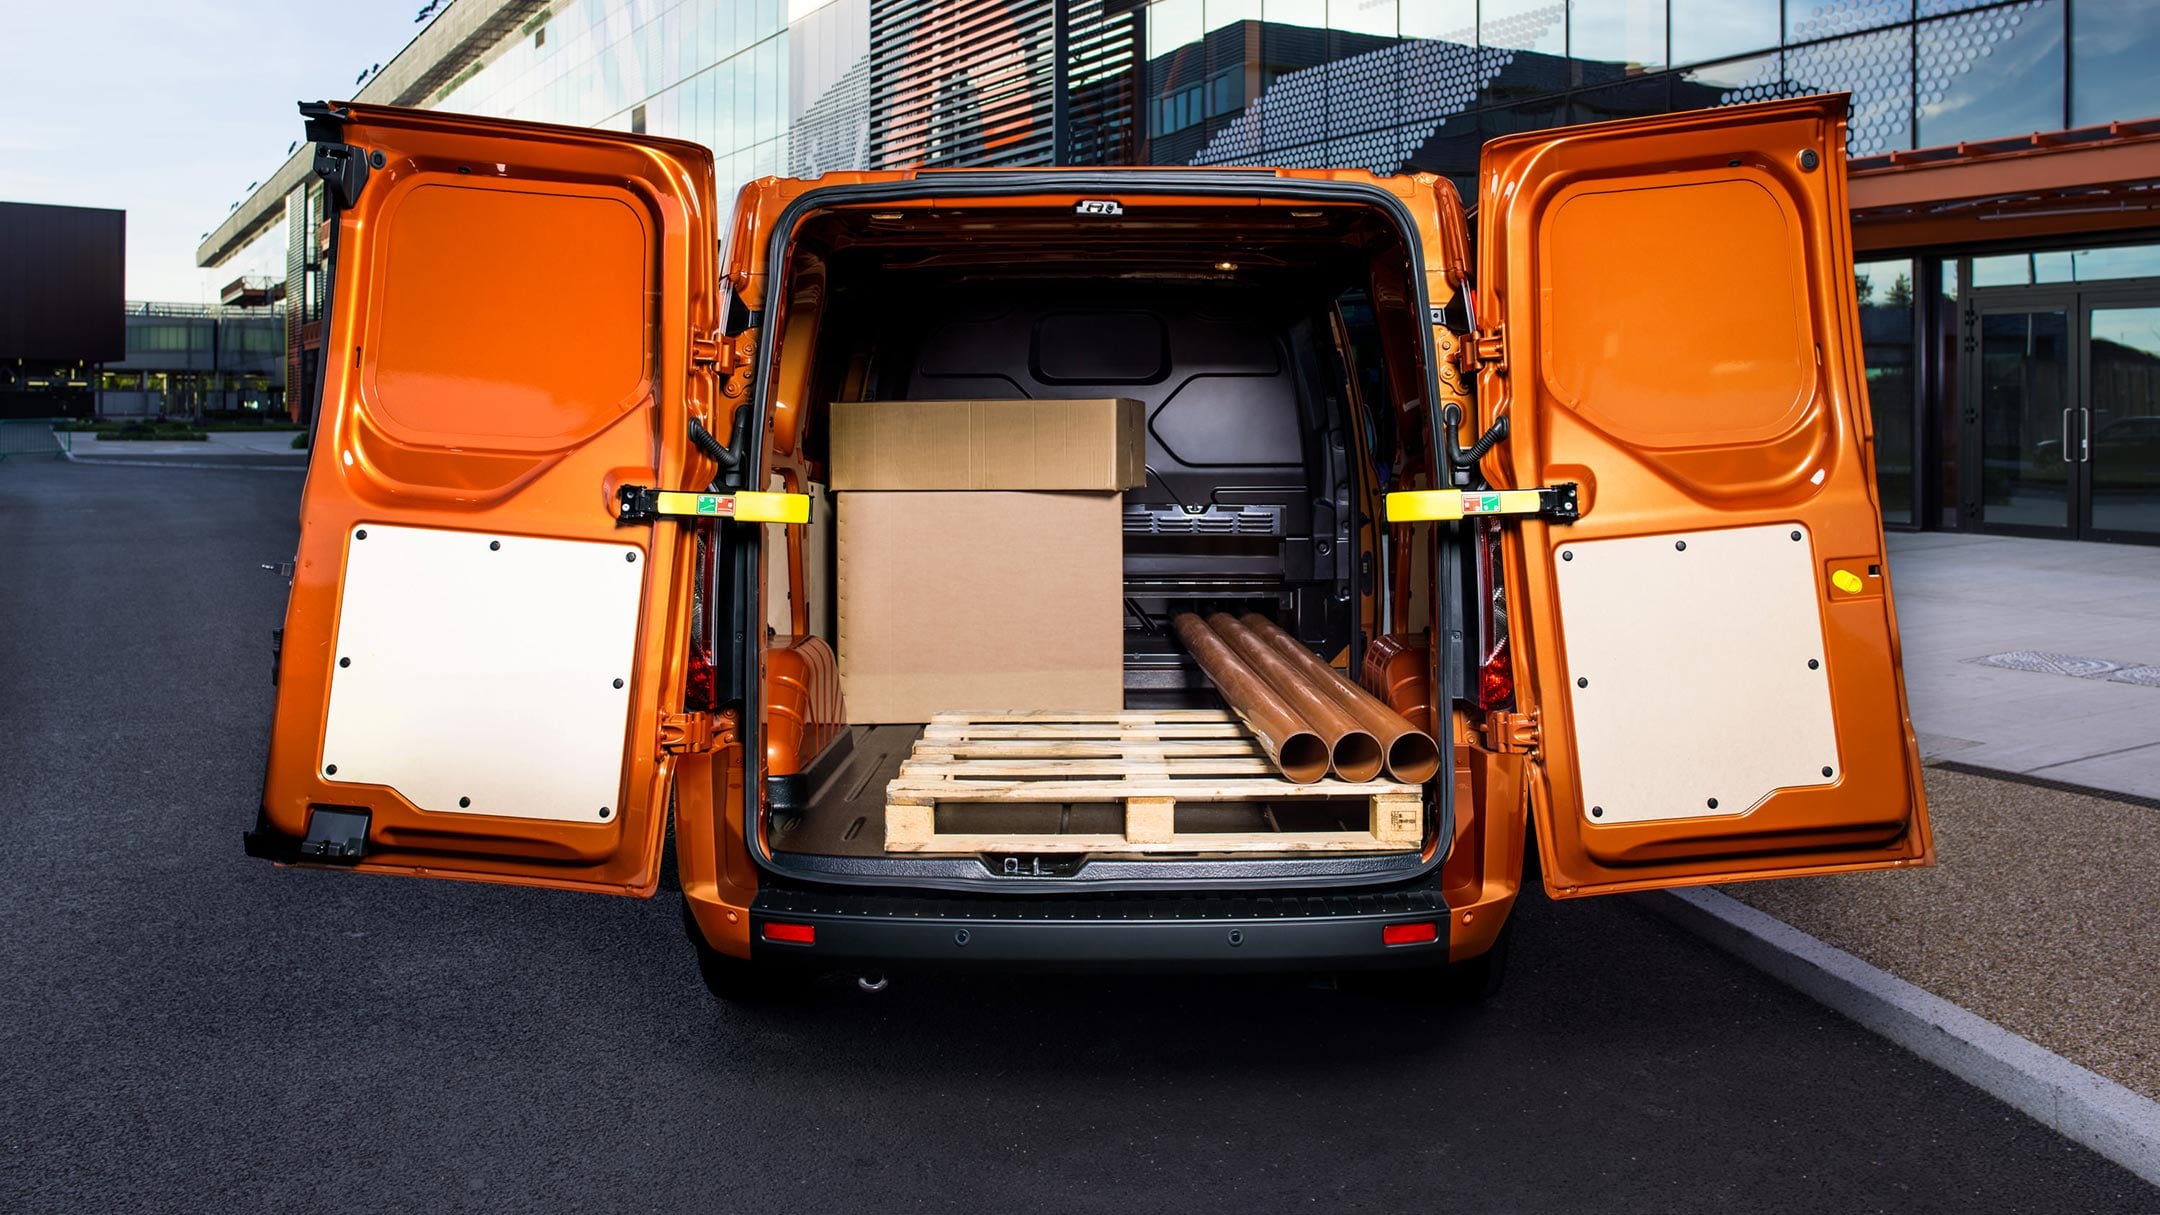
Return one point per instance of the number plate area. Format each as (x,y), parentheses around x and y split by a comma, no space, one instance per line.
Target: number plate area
(484,674)
(1689,676)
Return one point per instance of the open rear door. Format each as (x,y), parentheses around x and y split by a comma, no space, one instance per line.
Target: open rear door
(478,657)
(1709,650)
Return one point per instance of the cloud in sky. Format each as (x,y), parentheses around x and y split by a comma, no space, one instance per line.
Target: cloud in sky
(167,109)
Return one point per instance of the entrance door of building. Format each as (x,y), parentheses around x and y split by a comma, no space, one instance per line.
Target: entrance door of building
(2062,407)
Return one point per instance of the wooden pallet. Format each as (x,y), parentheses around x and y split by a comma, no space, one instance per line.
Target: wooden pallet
(1148,761)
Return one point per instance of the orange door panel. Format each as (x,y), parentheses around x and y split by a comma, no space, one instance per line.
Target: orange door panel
(476,657)
(1710,649)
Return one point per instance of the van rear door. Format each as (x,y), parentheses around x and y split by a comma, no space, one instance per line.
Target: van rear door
(1669,322)
(482,668)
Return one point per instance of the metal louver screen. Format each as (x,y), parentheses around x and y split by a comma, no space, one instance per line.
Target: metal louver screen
(960,83)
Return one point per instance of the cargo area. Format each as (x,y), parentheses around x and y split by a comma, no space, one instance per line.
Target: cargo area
(1028,454)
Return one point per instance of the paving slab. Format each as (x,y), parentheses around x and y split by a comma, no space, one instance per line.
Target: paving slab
(1963,598)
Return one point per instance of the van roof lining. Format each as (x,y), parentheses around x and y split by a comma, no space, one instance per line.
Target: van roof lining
(1179,242)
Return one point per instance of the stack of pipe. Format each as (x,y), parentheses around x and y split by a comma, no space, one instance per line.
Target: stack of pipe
(1308,716)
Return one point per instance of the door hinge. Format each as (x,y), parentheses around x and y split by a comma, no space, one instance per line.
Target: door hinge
(1559,503)
(1514,732)
(344,170)
(1488,351)
(706,349)
(686,732)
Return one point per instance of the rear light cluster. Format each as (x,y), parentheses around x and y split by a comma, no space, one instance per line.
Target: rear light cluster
(698,693)
(1495,687)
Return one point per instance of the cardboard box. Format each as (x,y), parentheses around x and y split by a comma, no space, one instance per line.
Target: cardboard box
(979,602)
(1098,444)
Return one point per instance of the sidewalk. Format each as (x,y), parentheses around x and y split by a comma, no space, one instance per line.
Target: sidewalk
(272,450)
(2036,657)
(224,443)
(2039,916)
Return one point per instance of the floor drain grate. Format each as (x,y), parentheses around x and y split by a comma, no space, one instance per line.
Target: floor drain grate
(2073,665)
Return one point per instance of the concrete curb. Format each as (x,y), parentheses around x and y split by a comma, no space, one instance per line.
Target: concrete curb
(2088,1108)
(244,463)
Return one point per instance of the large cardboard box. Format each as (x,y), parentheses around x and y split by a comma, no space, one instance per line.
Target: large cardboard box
(979,602)
(1098,444)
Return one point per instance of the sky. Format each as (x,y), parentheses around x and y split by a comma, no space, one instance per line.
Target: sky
(167,109)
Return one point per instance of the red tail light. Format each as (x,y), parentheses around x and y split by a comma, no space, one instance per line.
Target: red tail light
(698,693)
(1496,668)
(791,934)
(1410,934)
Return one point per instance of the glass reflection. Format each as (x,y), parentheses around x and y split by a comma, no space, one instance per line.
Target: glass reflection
(1713,29)
(2113,46)
(2122,428)
(1615,34)
(2025,413)
(1885,291)
(1989,73)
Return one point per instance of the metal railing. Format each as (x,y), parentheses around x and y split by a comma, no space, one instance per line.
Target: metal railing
(51,437)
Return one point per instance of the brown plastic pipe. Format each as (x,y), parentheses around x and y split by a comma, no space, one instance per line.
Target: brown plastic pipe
(1288,740)
(1354,752)
(1412,756)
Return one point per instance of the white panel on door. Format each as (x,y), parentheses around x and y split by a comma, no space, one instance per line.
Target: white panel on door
(1695,671)
(484,674)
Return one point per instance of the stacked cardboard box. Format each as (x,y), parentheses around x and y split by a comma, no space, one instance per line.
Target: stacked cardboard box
(980,554)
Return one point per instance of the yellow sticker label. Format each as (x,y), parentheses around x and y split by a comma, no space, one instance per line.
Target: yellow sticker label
(1847,581)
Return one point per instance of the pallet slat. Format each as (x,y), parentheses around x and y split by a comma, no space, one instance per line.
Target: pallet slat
(1149,762)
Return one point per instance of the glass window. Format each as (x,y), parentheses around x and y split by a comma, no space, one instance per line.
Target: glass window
(1312,14)
(2114,45)
(2067,266)
(1363,16)
(1171,24)
(1990,73)
(1807,20)
(1713,29)
(1885,290)
(1449,20)
(1229,12)
(1617,35)
(2002,270)
(1634,99)
(1943,318)
(1524,25)
(1756,78)
(1877,70)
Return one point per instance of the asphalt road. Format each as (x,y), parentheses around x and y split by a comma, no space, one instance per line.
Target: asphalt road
(181,1027)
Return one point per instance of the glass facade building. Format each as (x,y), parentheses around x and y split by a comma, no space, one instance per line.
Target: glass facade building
(802,87)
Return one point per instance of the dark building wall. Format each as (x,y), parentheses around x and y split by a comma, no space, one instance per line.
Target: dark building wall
(62,274)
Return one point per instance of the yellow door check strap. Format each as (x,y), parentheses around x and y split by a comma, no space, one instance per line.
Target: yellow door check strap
(1441,505)
(641,505)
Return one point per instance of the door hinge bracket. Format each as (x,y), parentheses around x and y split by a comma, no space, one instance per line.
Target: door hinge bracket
(344,170)
(1512,732)
(682,733)
(1488,351)
(641,504)
(707,350)
(1559,503)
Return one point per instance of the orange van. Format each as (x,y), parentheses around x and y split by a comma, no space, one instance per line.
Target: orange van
(1598,511)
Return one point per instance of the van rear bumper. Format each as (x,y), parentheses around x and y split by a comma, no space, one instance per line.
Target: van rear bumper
(1260,932)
